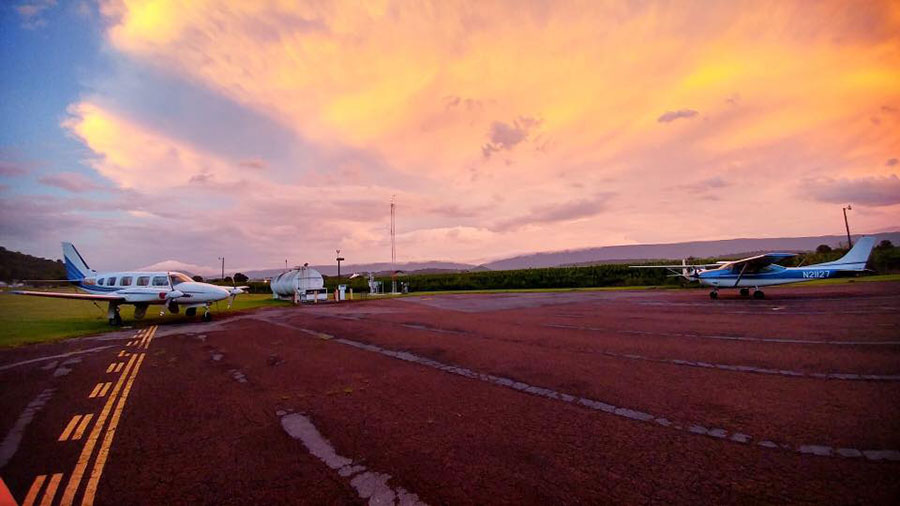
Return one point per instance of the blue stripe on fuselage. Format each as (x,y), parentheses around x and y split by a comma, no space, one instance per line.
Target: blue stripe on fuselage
(771,273)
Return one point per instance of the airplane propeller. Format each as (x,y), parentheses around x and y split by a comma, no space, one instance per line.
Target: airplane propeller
(235,291)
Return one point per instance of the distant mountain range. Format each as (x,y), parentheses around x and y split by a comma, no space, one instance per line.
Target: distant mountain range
(14,265)
(607,254)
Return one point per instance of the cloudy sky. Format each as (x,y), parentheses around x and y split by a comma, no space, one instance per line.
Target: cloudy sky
(147,130)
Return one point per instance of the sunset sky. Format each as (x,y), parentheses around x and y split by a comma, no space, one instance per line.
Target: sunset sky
(151,131)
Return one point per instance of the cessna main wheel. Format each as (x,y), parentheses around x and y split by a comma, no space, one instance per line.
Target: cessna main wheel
(745,292)
(759,294)
(713,295)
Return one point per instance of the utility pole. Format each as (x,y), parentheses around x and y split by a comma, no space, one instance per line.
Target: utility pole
(393,250)
(223,268)
(846,224)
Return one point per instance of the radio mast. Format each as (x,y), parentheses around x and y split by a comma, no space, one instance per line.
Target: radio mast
(393,249)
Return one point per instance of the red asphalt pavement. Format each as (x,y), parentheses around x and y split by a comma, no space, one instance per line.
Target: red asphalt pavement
(571,397)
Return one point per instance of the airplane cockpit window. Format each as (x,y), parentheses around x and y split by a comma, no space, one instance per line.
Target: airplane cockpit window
(160,281)
(126,281)
(178,277)
(143,280)
(110,281)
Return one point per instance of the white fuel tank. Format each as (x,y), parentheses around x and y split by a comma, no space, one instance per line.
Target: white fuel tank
(302,282)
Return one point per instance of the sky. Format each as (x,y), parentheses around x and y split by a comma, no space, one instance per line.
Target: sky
(157,132)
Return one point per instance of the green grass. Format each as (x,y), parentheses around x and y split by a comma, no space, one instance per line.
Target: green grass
(36,319)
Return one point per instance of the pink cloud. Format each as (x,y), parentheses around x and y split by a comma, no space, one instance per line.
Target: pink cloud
(71,181)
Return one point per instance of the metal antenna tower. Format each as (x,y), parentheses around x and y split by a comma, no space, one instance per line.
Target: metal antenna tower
(393,249)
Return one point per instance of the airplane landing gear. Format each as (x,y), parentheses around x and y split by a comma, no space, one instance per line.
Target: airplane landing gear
(207,316)
(191,312)
(714,294)
(745,292)
(758,294)
(115,319)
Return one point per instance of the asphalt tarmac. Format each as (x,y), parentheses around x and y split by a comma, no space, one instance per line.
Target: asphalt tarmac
(568,398)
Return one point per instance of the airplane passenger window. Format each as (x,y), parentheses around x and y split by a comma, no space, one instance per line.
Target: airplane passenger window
(110,281)
(143,281)
(126,281)
(160,281)
(100,281)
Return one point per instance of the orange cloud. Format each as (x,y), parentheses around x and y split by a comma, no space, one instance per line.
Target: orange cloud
(766,95)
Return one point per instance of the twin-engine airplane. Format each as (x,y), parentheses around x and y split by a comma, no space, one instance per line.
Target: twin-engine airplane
(172,289)
(761,270)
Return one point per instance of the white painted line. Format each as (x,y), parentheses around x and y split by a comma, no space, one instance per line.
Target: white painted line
(51,357)
(369,484)
(14,436)
(633,414)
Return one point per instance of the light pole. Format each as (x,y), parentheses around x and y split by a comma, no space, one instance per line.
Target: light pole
(339,260)
(846,224)
(223,268)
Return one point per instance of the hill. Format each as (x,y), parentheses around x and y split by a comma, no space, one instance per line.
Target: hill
(15,266)
(698,249)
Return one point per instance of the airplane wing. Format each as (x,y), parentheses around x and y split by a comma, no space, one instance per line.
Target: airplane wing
(674,266)
(754,264)
(71,295)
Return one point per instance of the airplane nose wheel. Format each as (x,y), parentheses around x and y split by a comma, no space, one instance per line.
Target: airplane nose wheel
(714,294)
(758,294)
(207,316)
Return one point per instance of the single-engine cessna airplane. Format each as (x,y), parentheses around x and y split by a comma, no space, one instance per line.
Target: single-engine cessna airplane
(173,289)
(761,270)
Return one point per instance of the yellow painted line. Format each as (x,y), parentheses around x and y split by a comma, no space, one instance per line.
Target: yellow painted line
(69,427)
(150,334)
(33,491)
(85,420)
(122,354)
(50,493)
(95,391)
(104,389)
(88,450)
(119,366)
(103,453)
(111,367)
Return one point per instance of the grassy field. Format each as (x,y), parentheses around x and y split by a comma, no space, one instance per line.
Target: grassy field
(34,319)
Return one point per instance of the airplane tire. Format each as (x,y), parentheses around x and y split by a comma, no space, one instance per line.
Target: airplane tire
(191,311)
(759,294)
(745,292)
(713,295)
(207,316)
(116,321)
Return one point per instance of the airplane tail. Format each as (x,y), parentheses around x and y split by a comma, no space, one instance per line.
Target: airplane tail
(76,268)
(856,258)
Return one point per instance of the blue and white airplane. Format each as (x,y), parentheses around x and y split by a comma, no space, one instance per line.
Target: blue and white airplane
(172,289)
(762,270)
